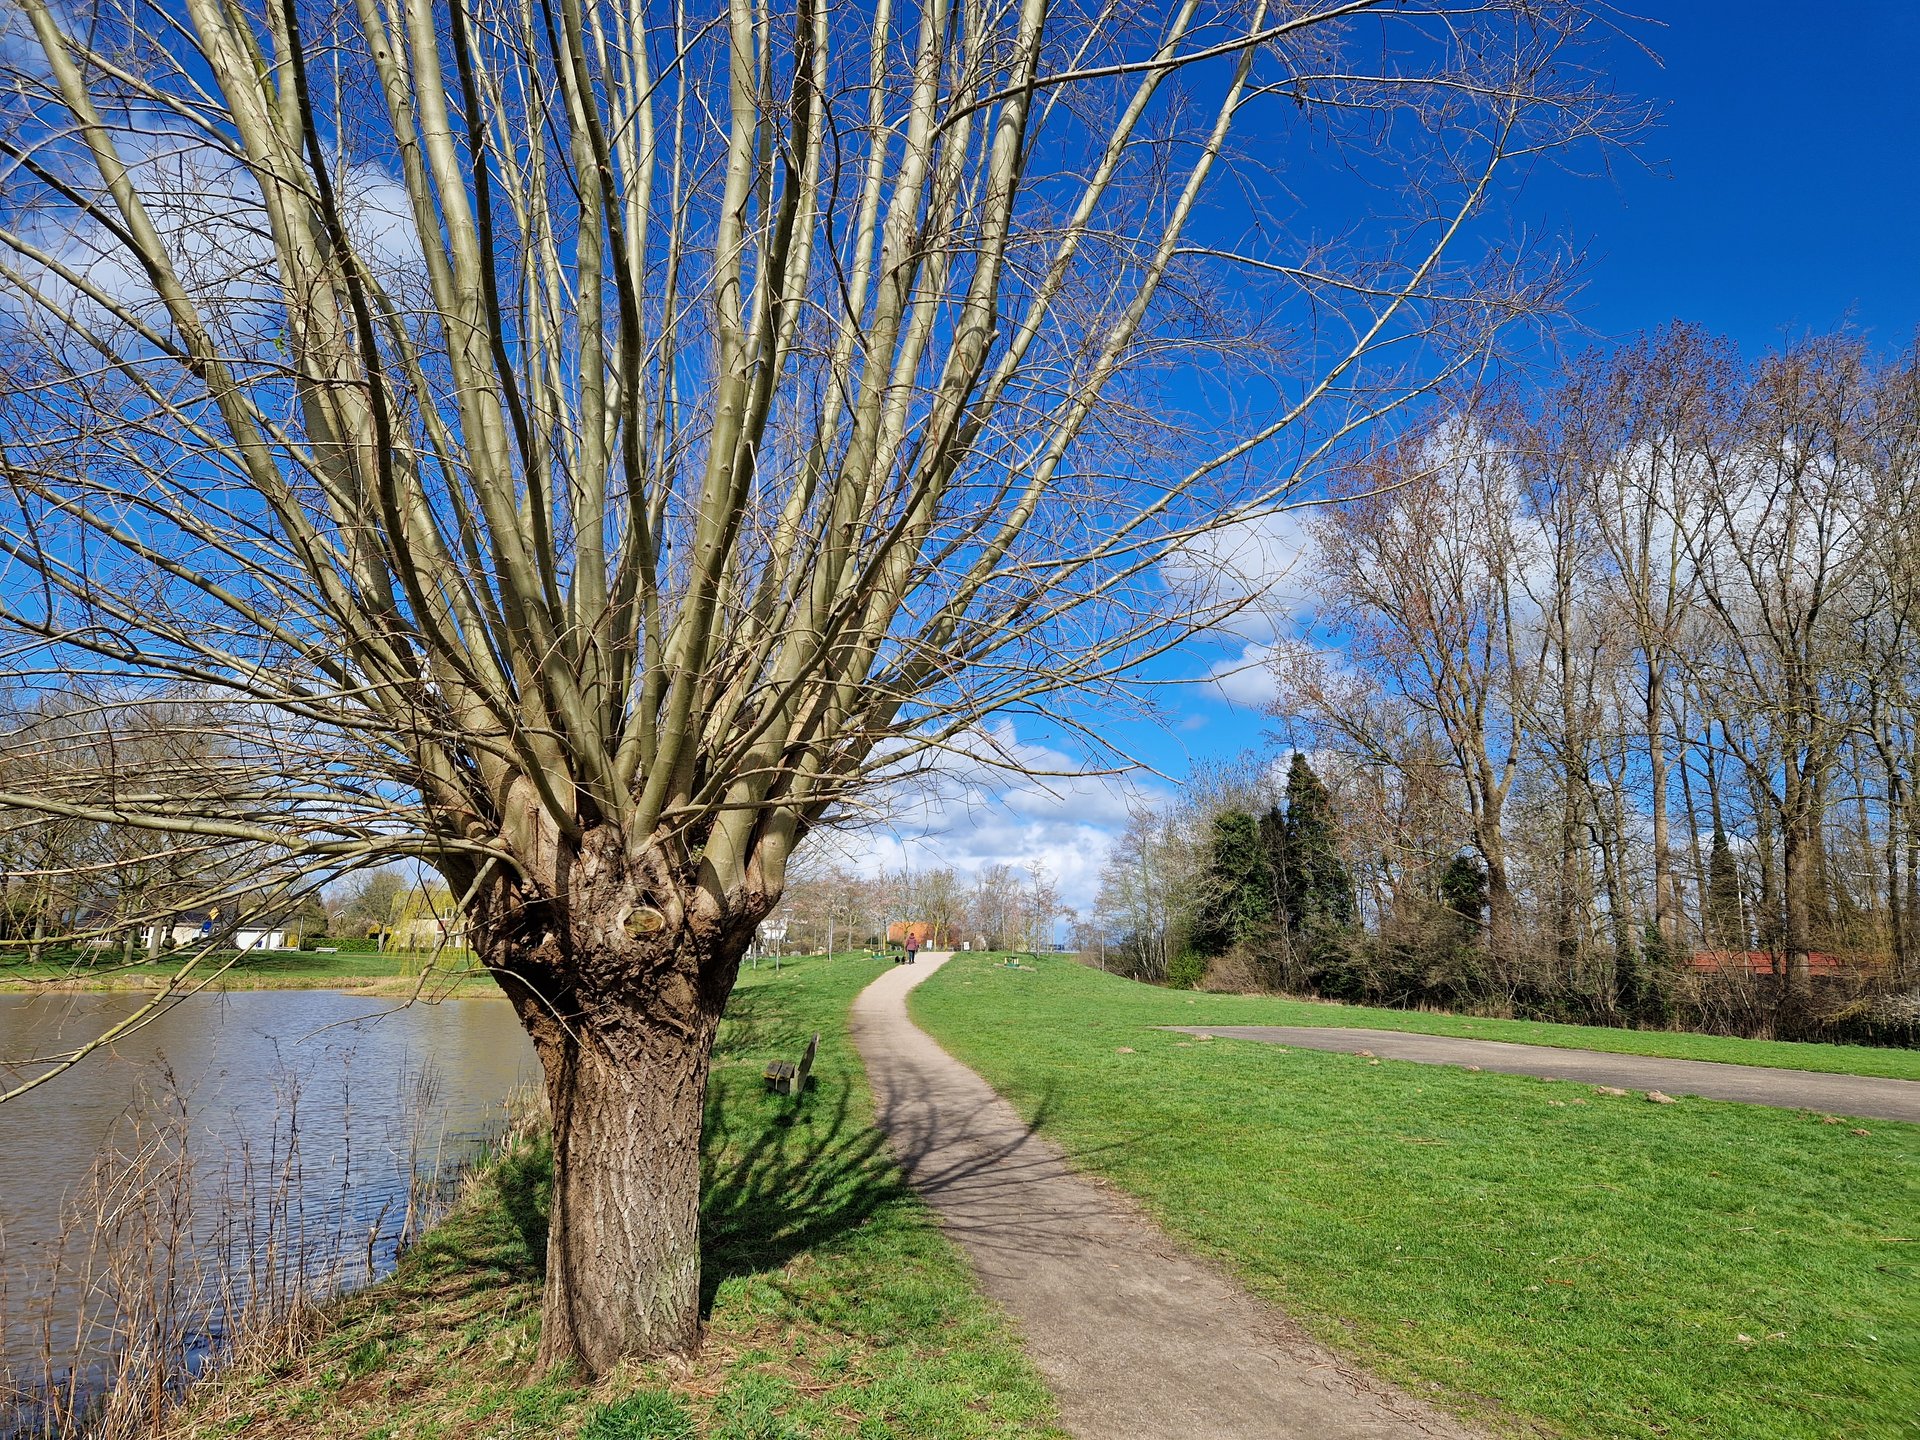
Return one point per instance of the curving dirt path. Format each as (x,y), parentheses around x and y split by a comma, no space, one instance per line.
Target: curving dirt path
(1139,1340)
(1864,1095)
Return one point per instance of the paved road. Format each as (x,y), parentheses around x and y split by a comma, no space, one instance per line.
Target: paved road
(1138,1340)
(1753,1084)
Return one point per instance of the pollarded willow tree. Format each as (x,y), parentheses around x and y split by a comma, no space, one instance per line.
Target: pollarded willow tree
(601,442)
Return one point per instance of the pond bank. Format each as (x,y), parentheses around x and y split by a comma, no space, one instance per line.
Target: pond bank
(835,1307)
(207,1171)
(360,972)
(465,986)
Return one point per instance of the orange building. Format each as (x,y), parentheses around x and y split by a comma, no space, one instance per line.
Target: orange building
(930,936)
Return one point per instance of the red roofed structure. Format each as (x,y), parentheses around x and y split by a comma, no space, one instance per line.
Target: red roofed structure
(1761,962)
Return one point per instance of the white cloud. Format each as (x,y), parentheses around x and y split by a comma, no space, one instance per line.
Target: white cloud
(207,210)
(1001,800)
(1258,564)
(1264,563)
(1247,678)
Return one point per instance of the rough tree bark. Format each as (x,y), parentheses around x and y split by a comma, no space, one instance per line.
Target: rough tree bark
(621,986)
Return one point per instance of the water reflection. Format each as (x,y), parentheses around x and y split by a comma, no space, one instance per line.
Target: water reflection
(298,1120)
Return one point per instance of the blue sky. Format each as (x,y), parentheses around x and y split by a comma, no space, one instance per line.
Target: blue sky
(1783,187)
(1779,194)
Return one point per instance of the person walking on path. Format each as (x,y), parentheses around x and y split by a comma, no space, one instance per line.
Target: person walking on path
(913,946)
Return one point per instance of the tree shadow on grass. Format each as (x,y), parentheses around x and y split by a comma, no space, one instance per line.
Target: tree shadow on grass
(502,1241)
(782,1175)
(524,1182)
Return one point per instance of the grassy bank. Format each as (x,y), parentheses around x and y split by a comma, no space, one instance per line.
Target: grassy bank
(1207,1009)
(394,973)
(836,1308)
(1531,1251)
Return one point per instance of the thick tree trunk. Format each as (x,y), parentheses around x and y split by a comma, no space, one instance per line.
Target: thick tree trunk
(623,1228)
(1502,914)
(1618,860)
(1767,915)
(1698,859)
(1905,965)
(1566,898)
(1800,836)
(620,981)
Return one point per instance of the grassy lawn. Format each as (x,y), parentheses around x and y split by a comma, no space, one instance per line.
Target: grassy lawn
(257,970)
(1532,1251)
(836,1307)
(1205,1009)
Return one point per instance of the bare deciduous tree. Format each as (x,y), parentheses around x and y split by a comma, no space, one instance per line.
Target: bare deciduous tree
(1426,572)
(1701,600)
(608,439)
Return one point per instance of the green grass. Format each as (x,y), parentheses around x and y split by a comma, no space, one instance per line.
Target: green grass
(836,1308)
(1530,1251)
(1206,1009)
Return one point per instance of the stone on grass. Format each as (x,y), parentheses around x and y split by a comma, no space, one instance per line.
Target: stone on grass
(1659,1098)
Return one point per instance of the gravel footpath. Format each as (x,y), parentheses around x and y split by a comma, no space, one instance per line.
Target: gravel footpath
(1136,1338)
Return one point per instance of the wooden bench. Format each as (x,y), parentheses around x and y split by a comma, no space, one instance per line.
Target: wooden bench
(786,1078)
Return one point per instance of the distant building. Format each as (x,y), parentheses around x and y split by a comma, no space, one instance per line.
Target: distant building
(929,935)
(1761,962)
(428,933)
(192,927)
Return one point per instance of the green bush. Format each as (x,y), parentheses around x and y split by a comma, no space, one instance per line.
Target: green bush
(1186,971)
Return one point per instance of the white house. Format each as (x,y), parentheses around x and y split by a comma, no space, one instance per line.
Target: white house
(191,929)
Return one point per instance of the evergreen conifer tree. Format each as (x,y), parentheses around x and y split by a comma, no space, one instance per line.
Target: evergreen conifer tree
(1276,866)
(1462,889)
(1317,891)
(1237,895)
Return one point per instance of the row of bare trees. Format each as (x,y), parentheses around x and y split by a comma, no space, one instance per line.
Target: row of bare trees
(997,908)
(1643,646)
(73,882)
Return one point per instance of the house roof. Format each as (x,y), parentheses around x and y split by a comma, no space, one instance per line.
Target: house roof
(1760,962)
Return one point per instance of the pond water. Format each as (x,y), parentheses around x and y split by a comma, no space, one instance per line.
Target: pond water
(249,1141)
